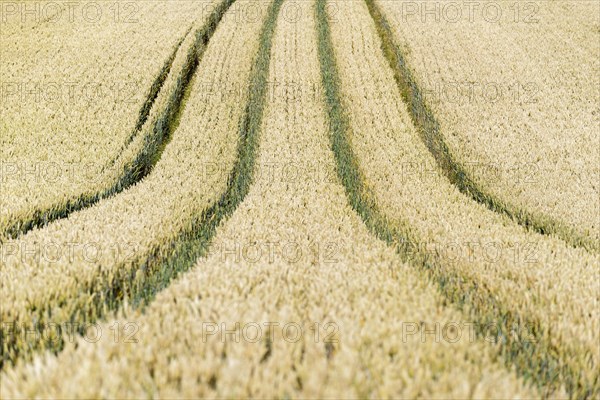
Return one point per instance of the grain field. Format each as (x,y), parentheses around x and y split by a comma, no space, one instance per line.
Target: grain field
(299,199)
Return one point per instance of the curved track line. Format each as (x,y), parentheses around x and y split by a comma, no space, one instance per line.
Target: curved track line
(151,98)
(135,170)
(194,243)
(429,130)
(167,262)
(537,360)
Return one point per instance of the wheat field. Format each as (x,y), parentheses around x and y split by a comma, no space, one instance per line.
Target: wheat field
(300,199)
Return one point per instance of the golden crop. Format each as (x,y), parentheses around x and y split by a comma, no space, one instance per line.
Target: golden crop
(516,275)
(86,87)
(77,261)
(362,290)
(290,209)
(518,110)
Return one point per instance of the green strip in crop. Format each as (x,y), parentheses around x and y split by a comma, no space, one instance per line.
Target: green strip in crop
(139,286)
(537,359)
(149,155)
(429,130)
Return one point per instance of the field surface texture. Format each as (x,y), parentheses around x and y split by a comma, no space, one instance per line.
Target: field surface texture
(300,199)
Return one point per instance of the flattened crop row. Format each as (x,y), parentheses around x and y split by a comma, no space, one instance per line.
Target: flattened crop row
(570,209)
(169,237)
(34,201)
(335,323)
(372,137)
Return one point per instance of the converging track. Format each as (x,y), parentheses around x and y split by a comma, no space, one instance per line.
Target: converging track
(283,204)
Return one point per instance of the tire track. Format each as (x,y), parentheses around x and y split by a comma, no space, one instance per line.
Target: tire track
(194,243)
(540,360)
(364,302)
(138,285)
(151,98)
(429,130)
(154,142)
